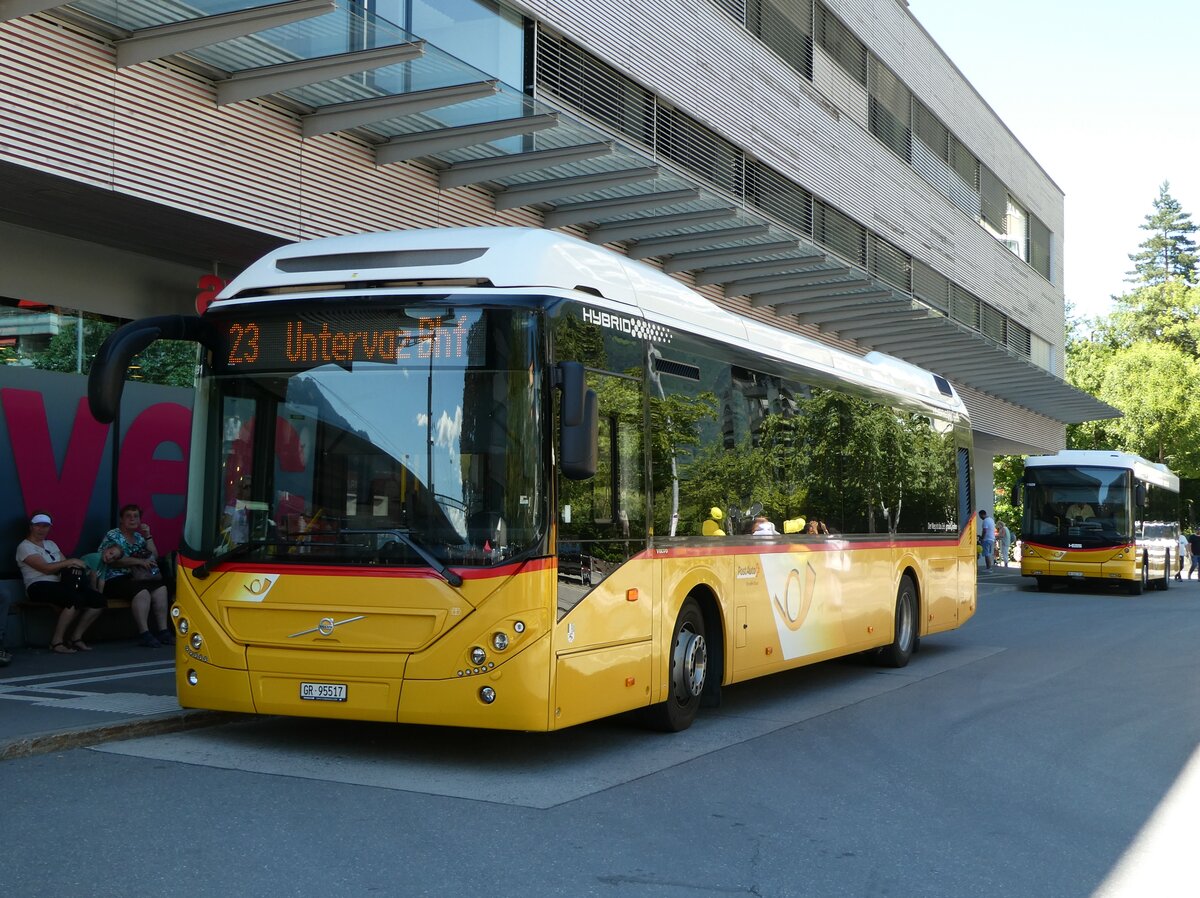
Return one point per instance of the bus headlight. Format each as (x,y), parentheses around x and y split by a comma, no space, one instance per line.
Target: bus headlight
(487,695)
(197,641)
(192,678)
(500,641)
(478,655)
(183,626)
(519,626)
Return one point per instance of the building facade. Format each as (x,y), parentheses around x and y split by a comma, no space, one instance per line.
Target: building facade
(820,165)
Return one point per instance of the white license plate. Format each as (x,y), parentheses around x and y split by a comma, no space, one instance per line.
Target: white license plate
(323,692)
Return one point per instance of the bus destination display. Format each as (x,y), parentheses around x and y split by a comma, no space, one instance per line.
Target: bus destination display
(310,339)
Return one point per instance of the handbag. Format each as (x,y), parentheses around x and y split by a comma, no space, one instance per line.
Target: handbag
(73,577)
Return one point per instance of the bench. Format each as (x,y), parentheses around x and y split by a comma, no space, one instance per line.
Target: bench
(37,619)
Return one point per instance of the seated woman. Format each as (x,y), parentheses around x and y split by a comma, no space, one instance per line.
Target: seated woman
(43,567)
(135,576)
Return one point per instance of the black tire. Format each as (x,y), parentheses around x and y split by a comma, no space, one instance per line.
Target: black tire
(689,668)
(905,634)
(1045,584)
(1138,586)
(1165,583)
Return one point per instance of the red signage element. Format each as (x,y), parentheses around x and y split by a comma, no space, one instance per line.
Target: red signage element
(209,285)
(67,493)
(142,474)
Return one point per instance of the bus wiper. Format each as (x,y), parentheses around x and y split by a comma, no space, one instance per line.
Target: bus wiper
(425,555)
(234,552)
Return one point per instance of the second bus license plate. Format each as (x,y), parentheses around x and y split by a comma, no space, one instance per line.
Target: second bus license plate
(323,692)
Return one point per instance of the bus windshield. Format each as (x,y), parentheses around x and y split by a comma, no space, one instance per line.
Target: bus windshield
(1077,506)
(376,436)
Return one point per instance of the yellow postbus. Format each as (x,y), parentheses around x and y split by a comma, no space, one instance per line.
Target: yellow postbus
(501,477)
(1098,516)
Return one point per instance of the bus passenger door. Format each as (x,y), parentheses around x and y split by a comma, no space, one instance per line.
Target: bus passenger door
(605,596)
(602,520)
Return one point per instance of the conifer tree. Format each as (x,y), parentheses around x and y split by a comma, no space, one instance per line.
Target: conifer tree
(1169,252)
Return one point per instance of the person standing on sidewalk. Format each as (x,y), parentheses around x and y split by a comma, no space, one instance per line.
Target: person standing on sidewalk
(1002,537)
(51,577)
(1194,545)
(988,539)
(1182,554)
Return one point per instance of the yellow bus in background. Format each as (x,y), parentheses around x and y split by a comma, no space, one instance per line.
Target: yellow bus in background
(1094,515)
(501,477)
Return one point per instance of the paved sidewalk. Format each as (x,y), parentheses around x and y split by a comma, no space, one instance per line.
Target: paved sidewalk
(52,702)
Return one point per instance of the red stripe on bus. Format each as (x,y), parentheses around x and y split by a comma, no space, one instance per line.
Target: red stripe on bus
(329,570)
(826,546)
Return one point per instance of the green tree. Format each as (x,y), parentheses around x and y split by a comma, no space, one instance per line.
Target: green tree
(1169,252)
(167,362)
(1152,386)
(1158,313)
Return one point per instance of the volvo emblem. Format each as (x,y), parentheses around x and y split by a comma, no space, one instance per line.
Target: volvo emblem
(326,626)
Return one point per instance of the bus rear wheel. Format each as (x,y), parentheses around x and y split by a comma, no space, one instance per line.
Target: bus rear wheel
(905,638)
(689,667)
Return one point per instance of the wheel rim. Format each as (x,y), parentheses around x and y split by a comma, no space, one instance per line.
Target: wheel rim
(689,664)
(904,621)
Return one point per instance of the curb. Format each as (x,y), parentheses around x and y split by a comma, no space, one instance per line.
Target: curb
(82,737)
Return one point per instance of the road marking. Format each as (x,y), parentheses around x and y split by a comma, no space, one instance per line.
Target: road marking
(49,690)
(143,668)
(533,770)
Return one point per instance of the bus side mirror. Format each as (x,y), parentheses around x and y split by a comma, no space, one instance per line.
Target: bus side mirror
(1139,495)
(579,420)
(106,380)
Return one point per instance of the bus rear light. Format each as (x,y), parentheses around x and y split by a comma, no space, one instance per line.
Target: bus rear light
(487,695)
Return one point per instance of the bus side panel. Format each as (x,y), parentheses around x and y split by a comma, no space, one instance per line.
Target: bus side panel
(599,682)
(603,647)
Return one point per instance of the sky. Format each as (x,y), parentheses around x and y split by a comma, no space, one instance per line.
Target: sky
(1102,95)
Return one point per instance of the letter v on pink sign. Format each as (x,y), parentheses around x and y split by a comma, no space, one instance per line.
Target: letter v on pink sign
(42,486)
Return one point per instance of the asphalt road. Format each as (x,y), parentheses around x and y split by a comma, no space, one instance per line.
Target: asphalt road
(1042,750)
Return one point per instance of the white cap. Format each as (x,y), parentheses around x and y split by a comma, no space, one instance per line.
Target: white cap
(40,519)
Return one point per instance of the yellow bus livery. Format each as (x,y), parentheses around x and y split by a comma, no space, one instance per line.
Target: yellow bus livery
(503,478)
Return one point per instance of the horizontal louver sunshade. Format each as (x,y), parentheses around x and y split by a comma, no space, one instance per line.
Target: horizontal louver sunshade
(786,27)
(840,42)
(577,77)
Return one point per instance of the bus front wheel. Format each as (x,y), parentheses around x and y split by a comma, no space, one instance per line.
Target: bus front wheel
(689,667)
(905,638)
(1138,586)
